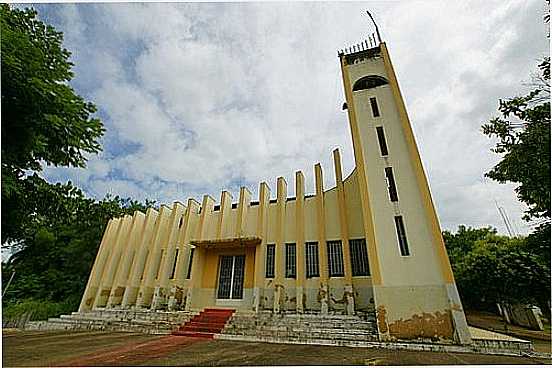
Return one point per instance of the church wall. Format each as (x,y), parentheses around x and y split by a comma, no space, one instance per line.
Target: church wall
(413,294)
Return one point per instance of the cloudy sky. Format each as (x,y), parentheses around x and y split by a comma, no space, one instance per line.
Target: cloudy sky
(201,97)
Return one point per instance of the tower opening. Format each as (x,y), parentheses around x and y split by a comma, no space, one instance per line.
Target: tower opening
(370,81)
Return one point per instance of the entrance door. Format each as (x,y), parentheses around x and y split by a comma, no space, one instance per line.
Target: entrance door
(231,277)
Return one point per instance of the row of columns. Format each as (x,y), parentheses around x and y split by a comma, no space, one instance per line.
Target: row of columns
(279,268)
(137,253)
(136,257)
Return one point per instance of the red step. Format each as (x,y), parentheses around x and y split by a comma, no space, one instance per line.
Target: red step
(207,323)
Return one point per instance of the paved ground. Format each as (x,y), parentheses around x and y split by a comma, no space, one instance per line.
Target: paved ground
(117,349)
(541,339)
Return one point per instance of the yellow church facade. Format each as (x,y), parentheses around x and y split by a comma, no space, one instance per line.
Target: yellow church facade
(370,244)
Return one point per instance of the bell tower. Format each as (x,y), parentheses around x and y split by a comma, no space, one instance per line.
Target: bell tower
(415,294)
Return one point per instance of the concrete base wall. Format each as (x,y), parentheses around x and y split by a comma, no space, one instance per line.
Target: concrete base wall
(414,312)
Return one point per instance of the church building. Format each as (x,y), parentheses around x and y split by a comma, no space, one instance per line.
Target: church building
(371,244)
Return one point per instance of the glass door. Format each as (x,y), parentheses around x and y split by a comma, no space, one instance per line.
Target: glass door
(231,274)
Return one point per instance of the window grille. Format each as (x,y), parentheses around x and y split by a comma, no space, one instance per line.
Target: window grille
(359,257)
(270,252)
(393,196)
(374,105)
(290,260)
(174,264)
(189,273)
(239,271)
(225,277)
(381,140)
(311,252)
(401,234)
(335,258)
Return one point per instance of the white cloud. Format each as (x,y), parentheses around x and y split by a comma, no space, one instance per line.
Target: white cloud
(213,95)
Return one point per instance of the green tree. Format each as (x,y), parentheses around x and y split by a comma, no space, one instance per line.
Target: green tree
(491,268)
(43,120)
(523,132)
(55,254)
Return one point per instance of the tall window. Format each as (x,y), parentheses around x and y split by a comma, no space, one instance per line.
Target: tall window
(381,140)
(335,258)
(359,257)
(391,184)
(189,273)
(290,260)
(174,264)
(375,108)
(270,252)
(311,252)
(401,234)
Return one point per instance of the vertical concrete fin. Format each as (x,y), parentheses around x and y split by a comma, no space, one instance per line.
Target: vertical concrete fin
(300,239)
(176,222)
(281,196)
(260,251)
(97,268)
(225,212)
(192,210)
(159,239)
(243,207)
(127,256)
(107,279)
(321,223)
(205,211)
(142,250)
(343,224)
(264,199)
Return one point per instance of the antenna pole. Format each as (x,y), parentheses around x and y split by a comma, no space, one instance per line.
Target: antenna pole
(375,25)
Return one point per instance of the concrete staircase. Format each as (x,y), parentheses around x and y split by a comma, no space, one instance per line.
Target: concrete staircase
(206,324)
(301,328)
(149,322)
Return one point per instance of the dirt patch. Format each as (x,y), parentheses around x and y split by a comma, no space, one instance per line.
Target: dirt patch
(120,349)
(46,348)
(133,353)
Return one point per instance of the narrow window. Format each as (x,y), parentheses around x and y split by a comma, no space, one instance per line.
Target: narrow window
(174,264)
(290,260)
(401,234)
(160,264)
(189,273)
(359,257)
(391,184)
(374,105)
(381,140)
(311,252)
(335,258)
(270,251)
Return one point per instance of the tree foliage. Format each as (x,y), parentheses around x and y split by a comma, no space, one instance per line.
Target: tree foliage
(491,268)
(59,240)
(523,130)
(43,120)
